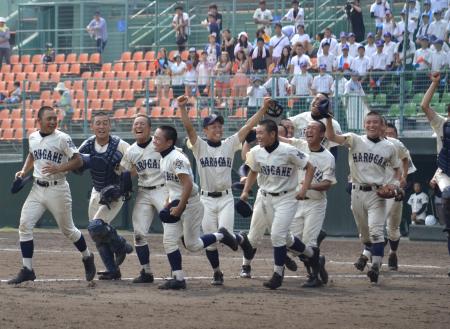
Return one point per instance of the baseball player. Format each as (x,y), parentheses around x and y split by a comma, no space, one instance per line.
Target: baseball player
(275,165)
(105,153)
(214,158)
(310,215)
(52,154)
(369,156)
(183,215)
(394,206)
(142,160)
(441,128)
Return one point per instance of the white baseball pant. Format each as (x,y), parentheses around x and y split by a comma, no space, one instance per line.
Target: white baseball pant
(58,200)
(393,218)
(147,201)
(100,211)
(308,220)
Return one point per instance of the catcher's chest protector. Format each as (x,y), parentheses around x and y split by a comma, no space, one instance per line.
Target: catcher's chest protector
(104,164)
(444,154)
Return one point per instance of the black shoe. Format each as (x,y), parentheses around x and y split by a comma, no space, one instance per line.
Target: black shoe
(290,264)
(89,267)
(373,273)
(275,281)
(361,263)
(217,278)
(321,237)
(228,239)
(323,274)
(144,277)
(393,262)
(247,248)
(108,276)
(312,282)
(246,272)
(173,284)
(120,256)
(24,275)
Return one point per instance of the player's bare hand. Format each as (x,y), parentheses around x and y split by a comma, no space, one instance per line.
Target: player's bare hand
(19,174)
(301,195)
(433,184)
(435,77)
(50,169)
(182,101)
(267,103)
(243,179)
(402,182)
(414,216)
(244,196)
(176,211)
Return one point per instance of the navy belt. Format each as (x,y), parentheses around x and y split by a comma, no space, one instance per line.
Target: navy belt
(365,188)
(214,194)
(273,194)
(152,187)
(45,183)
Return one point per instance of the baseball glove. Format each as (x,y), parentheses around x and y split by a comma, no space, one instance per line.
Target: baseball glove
(390,191)
(109,194)
(324,108)
(275,109)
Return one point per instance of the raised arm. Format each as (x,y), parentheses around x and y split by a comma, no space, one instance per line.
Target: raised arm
(192,134)
(253,121)
(331,134)
(425,105)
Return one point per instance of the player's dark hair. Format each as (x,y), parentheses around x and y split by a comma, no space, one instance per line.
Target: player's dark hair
(43,109)
(375,113)
(16,83)
(142,115)
(170,133)
(269,126)
(321,125)
(391,125)
(100,114)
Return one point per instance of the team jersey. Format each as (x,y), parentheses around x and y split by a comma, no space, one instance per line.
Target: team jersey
(437,124)
(302,120)
(416,201)
(55,149)
(146,161)
(369,160)
(402,153)
(324,167)
(172,165)
(278,170)
(215,163)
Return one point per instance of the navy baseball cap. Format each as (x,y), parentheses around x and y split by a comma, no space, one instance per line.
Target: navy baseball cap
(361,46)
(380,43)
(323,66)
(438,41)
(303,64)
(326,43)
(345,47)
(343,35)
(165,215)
(243,208)
(210,119)
(370,35)
(387,34)
(424,37)
(19,183)
(351,34)
(97,13)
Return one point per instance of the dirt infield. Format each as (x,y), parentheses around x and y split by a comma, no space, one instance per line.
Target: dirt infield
(417,296)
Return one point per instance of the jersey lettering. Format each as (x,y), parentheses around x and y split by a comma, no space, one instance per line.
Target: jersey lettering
(369,158)
(171,177)
(216,162)
(44,154)
(147,164)
(276,171)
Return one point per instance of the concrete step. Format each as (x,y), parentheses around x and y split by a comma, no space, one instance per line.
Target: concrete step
(427,233)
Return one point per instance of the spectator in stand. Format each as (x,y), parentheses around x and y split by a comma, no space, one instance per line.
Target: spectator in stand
(378,65)
(439,5)
(438,27)
(424,26)
(213,51)
(296,15)
(279,88)
(378,12)
(445,47)
(426,12)
(256,93)
(213,27)
(389,48)
(344,61)
(439,62)
(5,47)
(422,63)
(259,58)
(419,204)
(213,10)
(15,95)
(315,46)
(354,92)
(338,87)
(332,42)
(398,56)
(326,58)
(352,45)
(203,74)
(370,47)
(241,69)
(190,79)
(277,43)
(299,58)
(177,69)
(301,86)
(49,54)
(301,37)
(285,59)
(355,16)
(97,29)
(361,64)
(181,25)
(263,18)
(323,82)
(162,80)
(399,32)
(228,43)
(65,106)
(243,44)
(343,38)
(222,72)
(193,56)
(261,34)
(389,24)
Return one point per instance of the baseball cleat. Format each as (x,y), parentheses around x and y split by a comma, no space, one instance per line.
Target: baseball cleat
(228,239)
(108,276)
(312,282)
(24,275)
(323,274)
(144,277)
(275,281)
(247,248)
(120,256)
(217,278)
(173,284)
(361,263)
(373,273)
(89,267)
(246,271)
(290,264)
(393,262)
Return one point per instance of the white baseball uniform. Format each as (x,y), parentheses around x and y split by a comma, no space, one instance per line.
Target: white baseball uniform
(394,208)
(437,124)
(96,210)
(417,201)
(310,215)
(152,193)
(214,165)
(55,196)
(275,204)
(173,164)
(301,122)
(368,160)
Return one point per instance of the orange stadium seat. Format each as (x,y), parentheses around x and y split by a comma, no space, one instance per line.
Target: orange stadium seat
(137,85)
(145,74)
(106,67)
(75,69)
(169,112)
(60,58)
(55,77)
(8,77)
(95,58)
(98,75)
(104,94)
(6,123)
(134,75)
(119,114)
(149,56)
(204,113)
(79,94)
(8,134)
(46,94)
(129,67)
(131,112)
(108,104)
(25,59)
(126,56)
(52,68)
(39,68)
(117,67)
(164,102)
(128,94)
(109,75)
(113,84)
(2,85)
(78,84)
(83,58)
(30,123)
(193,113)
(121,74)
(95,104)
(36,59)
(4,114)
(35,87)
(90,84)
(138,56)
(101,85)
(93,94)
(18,134)
(156,112)
(185,55)
(16,114)
(71,58)
(17,124)
(29,114)
(86,75)
(20,76)
(141,66)
(117,94)
(14,59)
(33,76)
(6,68)
(64,69)
(124,84)
(44,76)
(36,104)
